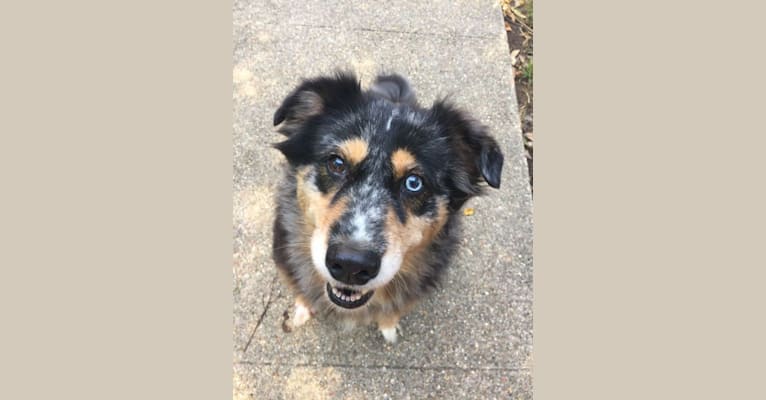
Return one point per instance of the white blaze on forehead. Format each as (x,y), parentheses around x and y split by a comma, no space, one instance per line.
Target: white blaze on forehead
(414,117)
(394,113)
(366,213)
(362,221)
(361,234)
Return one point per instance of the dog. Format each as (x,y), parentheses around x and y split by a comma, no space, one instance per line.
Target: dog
(367,212)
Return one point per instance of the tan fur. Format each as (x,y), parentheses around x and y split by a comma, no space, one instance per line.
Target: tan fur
(306,216)
(433,227)
(331,214)
(418,231)
(403,161)
(316,206)
(301,190)
(404,236)
(285,278)
(414,237)
(386,296)
(354,150)
(388,320)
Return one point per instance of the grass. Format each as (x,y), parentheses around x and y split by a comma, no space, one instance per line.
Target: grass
(526,71)
(519,14)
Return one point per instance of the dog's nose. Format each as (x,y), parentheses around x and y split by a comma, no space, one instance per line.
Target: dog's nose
(351,265)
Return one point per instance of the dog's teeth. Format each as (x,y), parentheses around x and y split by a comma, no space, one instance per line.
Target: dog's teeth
(353,295)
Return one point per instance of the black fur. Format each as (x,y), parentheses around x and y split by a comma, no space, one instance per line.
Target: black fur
(395,89)
(454,153)
(336,93)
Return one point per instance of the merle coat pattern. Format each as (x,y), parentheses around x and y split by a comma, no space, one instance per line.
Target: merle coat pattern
(368,209)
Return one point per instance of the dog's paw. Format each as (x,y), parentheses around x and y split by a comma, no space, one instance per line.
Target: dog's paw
(302,315)
(389,334)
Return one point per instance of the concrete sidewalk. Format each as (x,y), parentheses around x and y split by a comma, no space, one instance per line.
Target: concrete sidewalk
(473,339)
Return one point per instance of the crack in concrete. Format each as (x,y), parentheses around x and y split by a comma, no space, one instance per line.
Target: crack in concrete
(269,301)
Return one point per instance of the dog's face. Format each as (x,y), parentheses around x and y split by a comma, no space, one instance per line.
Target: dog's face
(377,177)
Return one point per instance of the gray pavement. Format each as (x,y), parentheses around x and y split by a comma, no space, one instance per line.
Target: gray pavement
(473,339)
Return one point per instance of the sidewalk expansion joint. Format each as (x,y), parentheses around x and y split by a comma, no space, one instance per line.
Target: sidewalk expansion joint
(380,30)
(392,367)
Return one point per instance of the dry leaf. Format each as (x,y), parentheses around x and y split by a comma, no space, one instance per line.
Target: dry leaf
(514,54)
(518,13)
(468,212)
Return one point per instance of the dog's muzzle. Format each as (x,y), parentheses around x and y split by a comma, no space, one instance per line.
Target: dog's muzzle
(351,265)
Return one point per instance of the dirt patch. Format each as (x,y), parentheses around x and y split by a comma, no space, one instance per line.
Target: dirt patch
(518,16)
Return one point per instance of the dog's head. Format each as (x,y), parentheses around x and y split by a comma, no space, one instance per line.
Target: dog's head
(377,176)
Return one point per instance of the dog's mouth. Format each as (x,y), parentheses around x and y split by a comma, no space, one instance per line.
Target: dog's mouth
(348,298)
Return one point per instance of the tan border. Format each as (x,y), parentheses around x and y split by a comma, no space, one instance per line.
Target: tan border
(648,200)
(115,152)
(116,210)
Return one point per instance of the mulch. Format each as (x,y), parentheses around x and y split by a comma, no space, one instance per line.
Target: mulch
(520,41)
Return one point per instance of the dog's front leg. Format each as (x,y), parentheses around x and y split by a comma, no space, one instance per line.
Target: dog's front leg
(302,312)
(388,324)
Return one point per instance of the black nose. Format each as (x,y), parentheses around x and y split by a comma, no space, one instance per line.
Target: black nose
(351,265)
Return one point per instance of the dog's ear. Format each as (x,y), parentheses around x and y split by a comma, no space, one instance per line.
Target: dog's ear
(394,88)
(315,96)
(478,155)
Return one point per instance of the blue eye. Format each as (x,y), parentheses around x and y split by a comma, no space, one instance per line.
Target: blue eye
(413,183)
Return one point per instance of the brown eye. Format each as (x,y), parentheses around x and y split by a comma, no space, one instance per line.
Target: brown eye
(336,165)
